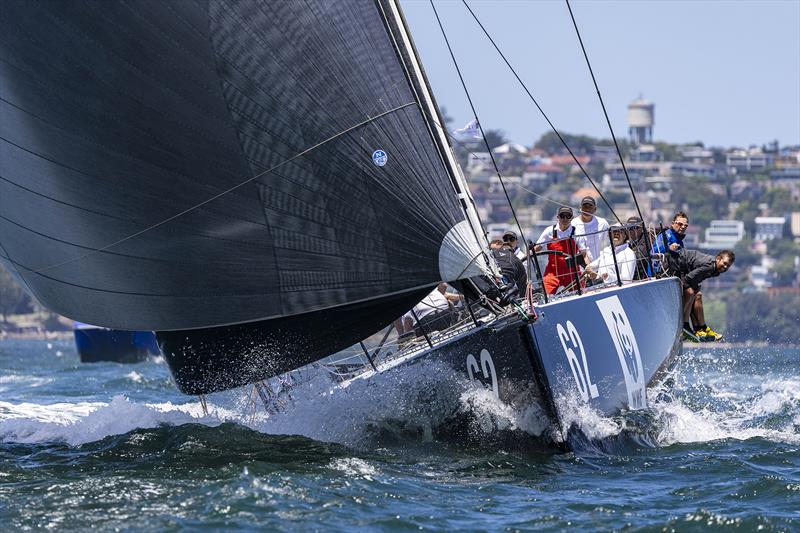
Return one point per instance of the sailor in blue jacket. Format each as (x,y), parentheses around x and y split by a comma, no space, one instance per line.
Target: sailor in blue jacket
(671,239)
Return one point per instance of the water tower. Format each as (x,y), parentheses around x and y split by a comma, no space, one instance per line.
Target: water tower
(641,117)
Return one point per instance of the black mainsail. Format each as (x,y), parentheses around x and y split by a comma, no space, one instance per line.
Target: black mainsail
(263,183)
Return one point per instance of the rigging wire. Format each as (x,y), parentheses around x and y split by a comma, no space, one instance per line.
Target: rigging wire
(465,146)
(549,122)
(602,104)
(475,113)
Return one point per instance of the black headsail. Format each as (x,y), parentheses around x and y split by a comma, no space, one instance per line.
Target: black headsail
(260,182)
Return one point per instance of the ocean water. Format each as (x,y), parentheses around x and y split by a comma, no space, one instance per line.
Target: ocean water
(117,447)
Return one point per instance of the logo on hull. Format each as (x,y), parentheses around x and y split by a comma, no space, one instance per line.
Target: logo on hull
(627,350)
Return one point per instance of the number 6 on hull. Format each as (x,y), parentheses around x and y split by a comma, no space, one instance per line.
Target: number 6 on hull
(580,368)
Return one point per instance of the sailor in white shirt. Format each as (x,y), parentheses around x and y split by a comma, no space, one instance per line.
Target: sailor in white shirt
(592,227)
(434,301)
(603,266)
(434,311)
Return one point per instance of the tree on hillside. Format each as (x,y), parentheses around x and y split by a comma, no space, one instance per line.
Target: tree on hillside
(579,144)
(703,204)
(747,213)
(745,256)
(780,248)
(785,272)
(495,138)
(780,203)
(13,299)
(757,316)
(446,118)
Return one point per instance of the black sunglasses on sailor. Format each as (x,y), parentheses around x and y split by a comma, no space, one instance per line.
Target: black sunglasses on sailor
(564,216)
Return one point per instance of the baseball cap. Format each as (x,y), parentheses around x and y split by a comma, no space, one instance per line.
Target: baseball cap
(564,210)
(509,236)
(589,200)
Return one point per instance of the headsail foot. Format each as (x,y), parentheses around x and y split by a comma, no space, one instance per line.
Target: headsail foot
(215,359)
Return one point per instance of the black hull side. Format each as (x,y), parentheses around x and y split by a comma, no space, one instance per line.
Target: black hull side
(498,357)
(623,340)
(214,359)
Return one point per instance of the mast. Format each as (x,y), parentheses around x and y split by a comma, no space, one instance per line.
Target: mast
(432,116)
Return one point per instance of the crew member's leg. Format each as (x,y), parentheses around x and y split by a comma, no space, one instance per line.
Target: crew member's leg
(688,303)
(698,315)
(551,283)
(703,332)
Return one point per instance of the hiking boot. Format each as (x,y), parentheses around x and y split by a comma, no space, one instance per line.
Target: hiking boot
(708,335)
(712,333)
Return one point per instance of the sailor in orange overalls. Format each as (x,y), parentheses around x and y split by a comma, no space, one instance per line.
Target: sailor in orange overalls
(560,237)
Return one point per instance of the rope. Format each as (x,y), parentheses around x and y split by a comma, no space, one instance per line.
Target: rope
(475,113)
(549,122)
(602,104)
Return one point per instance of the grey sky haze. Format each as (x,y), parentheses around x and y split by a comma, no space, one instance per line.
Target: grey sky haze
(723,72)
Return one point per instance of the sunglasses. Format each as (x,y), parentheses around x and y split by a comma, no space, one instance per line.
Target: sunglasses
(564,216)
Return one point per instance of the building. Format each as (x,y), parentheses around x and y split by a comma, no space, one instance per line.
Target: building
(478,160)
(788,173)
(761,277)
(687,168)
(748,160)
(723,234)
(796,225)
(768,228)
(614,179)
(646,153)
(542,175)
(641,118)
(697,154)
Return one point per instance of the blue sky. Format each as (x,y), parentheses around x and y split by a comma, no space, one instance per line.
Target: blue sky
(723,72)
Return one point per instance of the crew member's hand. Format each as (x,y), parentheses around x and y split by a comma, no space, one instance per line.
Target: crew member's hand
(674,246)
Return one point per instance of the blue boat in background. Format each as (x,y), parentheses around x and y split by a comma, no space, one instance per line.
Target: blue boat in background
(95,344)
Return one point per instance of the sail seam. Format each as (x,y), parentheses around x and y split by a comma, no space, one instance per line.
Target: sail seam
(228,190)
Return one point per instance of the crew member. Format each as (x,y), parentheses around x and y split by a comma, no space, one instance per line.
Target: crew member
(510,239)
(693,267)
(510,266)
(638,243)
(671,240)
(561,243)
(605,268)
(593,228)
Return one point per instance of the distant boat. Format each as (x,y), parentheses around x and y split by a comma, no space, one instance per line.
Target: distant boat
(264,184)
(95,344)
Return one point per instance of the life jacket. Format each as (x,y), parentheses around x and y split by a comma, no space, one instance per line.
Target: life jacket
(556,263)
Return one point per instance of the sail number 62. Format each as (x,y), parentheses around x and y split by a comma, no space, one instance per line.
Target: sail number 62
(570,341)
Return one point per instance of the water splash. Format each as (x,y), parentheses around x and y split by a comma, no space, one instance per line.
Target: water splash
(710,397)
